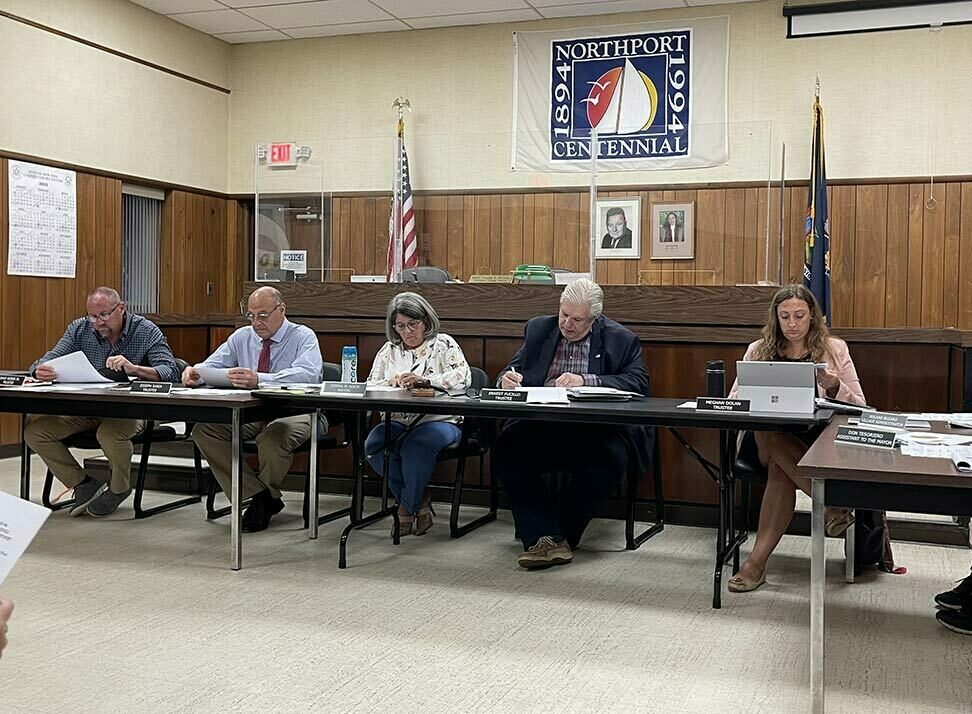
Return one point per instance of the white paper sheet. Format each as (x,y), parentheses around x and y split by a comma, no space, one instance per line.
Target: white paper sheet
(19,522)
(937,451)
(934,439)
(207,393)
(74,368)
(687,405)
(215,376)
(546,395)
(384,388)
(43,220)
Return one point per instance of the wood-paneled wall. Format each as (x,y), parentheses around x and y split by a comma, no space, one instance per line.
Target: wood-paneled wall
(202,241)
(202,254)
(895,261)
(36,310)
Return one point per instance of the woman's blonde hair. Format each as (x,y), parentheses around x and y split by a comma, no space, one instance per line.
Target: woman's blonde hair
(771,346)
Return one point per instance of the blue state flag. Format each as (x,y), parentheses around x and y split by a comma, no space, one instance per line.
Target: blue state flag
(816,260)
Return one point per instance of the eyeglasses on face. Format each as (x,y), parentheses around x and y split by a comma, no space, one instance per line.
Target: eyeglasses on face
(103,316)
(261,316)
(409,326)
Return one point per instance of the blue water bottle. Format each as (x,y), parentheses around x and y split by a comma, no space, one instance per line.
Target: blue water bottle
(349,364)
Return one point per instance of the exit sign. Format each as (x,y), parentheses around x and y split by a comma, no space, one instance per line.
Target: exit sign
(282,155)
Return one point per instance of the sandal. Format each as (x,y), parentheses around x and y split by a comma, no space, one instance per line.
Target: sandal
(837,521)
(423,517)
(406,523)
(740,584)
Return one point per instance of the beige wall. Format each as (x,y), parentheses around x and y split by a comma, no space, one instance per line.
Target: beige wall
(897,103)
(68,102)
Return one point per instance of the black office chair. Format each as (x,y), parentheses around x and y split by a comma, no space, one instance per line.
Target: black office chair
(145,438)
(425,274)
(331,372)
(748,469)
(475,440)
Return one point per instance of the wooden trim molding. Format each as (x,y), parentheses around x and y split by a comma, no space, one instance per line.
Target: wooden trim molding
(112,51)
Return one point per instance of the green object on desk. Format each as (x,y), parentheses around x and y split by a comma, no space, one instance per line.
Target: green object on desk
(533,274)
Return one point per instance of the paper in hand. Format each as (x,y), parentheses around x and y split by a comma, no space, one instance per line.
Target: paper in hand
(19,522)
(215,376)
(75,367)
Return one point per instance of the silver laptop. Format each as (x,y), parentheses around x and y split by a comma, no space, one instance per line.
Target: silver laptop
(778,386)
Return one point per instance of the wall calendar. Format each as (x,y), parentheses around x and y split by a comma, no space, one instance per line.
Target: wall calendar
(43,221)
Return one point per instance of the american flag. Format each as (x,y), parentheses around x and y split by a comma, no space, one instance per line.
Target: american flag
(402,220)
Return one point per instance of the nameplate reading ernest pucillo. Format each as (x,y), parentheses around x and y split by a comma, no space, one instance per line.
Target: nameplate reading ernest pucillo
(12,380)
(875,438)
(718,404)
(346,389)
(503,395)
(151,388)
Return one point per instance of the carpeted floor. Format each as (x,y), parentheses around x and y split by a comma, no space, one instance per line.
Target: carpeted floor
(124,616)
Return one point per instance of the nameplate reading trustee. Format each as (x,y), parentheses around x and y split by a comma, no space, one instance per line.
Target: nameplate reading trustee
(503,395)
(718,404)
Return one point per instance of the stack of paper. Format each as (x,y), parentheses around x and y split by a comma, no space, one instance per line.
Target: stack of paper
(604,393)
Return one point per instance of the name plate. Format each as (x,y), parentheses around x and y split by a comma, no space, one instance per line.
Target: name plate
(480,278)
(139,387)
(345,389)
(503,395)
(894,421)
(719,404)
(12,380)
(875,438)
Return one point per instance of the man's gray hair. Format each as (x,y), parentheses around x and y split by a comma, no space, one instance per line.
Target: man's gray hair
(105,292)
(414,307)
(584,292)
(268,290)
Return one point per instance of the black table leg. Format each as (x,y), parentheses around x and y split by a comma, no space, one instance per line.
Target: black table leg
(24,460)
(359,521)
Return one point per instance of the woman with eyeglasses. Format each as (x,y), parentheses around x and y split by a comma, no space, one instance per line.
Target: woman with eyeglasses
(416,355)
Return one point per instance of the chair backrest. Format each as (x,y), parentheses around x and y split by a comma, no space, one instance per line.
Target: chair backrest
(181,365)
(480,380)
(331,372)
(425,274)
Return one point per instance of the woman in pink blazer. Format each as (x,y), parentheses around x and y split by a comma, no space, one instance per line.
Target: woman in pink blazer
(795,331)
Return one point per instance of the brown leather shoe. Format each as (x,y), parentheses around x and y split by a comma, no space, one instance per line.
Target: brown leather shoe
(545,553)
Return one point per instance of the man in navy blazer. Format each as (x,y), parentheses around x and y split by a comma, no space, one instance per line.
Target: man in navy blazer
(579,346)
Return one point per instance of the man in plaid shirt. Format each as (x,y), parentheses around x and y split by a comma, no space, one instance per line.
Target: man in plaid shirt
(577,347)
(119,344)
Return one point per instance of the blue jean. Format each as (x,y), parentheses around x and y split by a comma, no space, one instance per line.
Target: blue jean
(412,458)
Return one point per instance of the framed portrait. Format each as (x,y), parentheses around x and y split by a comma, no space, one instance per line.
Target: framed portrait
(619,228)
(672,231)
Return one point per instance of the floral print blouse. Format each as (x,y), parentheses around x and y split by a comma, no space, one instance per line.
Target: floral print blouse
(439,360)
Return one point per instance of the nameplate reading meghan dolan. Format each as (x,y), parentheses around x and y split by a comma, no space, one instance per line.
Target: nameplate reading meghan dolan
(718,404)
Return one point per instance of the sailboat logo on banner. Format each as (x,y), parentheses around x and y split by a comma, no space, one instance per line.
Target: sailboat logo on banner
(621,101)
(634,90)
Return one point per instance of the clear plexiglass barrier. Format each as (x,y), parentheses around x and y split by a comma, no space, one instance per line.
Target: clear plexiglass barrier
(469,213)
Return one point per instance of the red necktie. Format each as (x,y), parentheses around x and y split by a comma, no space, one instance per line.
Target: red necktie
(263,364)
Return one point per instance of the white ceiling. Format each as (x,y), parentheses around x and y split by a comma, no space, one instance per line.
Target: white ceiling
(264,20)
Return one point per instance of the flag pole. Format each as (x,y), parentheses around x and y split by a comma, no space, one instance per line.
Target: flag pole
(396,241)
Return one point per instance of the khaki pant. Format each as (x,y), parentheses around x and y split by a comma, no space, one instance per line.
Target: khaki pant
(275,441)
(44,436)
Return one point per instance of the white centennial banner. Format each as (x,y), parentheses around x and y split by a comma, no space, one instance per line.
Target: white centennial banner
(655,93)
